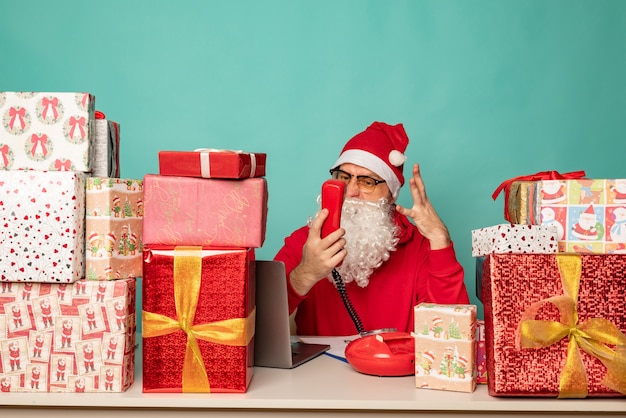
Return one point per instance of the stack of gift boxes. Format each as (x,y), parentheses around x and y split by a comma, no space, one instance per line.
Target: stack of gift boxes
(205,213)
(552,282)
(67,304)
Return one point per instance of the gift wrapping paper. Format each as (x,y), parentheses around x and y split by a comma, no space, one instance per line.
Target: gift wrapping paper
(198,319)
(589,214)
(207,212)
(212,163)
(42,214)
(106,159)
(481,353)
(77,337)
(514,238)
(554,324)
(47,131)
(113,228)
(445,347)
(518,201)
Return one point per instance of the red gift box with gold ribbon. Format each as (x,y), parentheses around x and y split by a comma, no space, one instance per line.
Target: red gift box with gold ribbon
(198,319)
(555,324)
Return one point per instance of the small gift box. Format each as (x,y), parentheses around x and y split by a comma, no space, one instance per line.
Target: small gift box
(554,325)
(43,233)
(512,238)
(208,212)
(212,163)
(445,347)
(198,319)
(46,131)
(106,158)
(113,227)
(77,337)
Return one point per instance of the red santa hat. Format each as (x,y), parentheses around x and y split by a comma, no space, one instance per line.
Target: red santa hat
(429,355)
(437,320)
(380,148)
(462,361)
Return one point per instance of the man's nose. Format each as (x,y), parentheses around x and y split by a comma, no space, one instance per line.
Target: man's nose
(352,189)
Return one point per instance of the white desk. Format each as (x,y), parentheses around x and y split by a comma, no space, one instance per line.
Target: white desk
(321,385)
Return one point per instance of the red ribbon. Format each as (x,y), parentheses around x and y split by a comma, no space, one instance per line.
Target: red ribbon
(45,102)
(542,175)
(80,122)
(63,166)
(5,151)
(100,115)
(13,112)
(39,140)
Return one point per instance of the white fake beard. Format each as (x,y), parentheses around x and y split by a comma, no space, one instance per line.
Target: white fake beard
(371,235)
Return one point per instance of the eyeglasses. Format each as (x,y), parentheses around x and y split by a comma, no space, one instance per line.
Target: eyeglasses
(366,184)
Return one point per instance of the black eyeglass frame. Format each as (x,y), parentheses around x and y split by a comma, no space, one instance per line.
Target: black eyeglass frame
(338,170)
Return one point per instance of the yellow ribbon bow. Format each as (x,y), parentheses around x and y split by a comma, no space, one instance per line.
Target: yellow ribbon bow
(591,335)
(233,332)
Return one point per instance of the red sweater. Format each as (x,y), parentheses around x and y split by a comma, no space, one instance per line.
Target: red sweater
(413,274)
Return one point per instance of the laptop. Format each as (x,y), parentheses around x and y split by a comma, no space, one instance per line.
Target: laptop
(273,346)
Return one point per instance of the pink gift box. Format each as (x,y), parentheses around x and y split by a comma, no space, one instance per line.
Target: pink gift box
(212,164)
(46,131)
(113,227)
(207,212)
(42,214)
(77,337)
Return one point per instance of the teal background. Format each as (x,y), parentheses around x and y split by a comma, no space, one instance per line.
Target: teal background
(486,89)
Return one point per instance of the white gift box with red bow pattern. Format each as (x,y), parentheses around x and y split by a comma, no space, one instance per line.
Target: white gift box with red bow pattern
(46,131)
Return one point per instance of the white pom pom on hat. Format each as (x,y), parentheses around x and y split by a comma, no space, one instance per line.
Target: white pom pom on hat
(379,148)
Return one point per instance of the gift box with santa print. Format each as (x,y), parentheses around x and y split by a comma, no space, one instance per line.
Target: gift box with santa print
(47,131)
(212,163)
(445,347)
(481,353)
(208,212)
(555,324)
(514,238)
(77,337)
(589,214)
(106,158)
(113,227)
(43,218)
(198,319)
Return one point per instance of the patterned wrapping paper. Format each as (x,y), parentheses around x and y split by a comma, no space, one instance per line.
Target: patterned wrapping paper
(512,238)
(114,228)
(589,214)
(208,212)
(67,338)
(481,353)
(214,289)
(211,163)
(515,291)
(445,347)
(42,214)
(106,161)
(47,131)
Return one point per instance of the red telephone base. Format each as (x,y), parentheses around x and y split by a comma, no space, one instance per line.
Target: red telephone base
(385,354)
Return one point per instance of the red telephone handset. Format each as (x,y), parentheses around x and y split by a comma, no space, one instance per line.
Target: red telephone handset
(332,199)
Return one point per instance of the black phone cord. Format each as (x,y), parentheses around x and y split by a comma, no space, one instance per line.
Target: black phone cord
(341,287)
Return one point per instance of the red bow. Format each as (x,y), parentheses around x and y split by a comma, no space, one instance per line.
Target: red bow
(63,165)
(5,151)
(45,102)
(39,140)
(80,122)
(542,175)
(100,115)
(13,112)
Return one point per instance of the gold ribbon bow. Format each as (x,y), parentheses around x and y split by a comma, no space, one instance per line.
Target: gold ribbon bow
(233,332)
(591,335)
